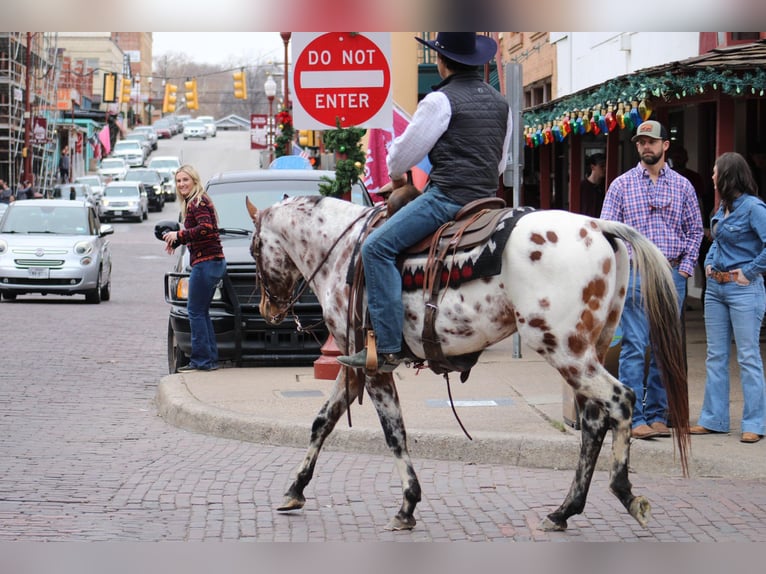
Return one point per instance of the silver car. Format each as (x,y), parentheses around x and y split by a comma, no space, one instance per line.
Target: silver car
(124,199)
(54,246)
(194,129)
(131,151)
(112,169)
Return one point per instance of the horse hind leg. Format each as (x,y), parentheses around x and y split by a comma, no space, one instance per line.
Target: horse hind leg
(594,423)
(597,416)
(323,425)
(383,395)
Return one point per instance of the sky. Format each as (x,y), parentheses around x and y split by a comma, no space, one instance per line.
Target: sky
(220,47)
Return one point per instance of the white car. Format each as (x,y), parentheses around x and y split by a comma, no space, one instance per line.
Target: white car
(150,132)
(96,185)
(54,246)
(124,199)
(112,169)
(167,166)
(209,122)
(131,151)
(194,129)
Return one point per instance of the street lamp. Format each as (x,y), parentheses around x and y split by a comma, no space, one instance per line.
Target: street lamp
(270,89)
(286,40)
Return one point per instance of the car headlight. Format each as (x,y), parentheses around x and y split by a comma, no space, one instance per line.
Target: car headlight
(83,247)
(3,246)
(179,289)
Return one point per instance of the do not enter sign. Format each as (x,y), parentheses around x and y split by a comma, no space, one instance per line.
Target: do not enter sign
(344,76)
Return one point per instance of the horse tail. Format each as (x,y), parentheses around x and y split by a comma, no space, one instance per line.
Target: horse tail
(665,328)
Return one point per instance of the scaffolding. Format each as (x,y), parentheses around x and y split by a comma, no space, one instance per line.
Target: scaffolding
(28,78)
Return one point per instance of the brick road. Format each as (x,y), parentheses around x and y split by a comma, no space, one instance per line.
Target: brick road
(85,456)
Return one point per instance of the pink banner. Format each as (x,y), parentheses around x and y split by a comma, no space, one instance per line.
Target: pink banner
(375,171)
(103,137)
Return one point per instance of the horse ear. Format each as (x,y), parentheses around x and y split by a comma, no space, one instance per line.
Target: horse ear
(251,209)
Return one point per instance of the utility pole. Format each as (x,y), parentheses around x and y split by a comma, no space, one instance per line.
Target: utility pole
(27,152)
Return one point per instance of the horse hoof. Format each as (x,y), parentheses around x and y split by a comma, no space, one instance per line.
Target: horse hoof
(549,525)
(641,510)
(291,503)
(397,523)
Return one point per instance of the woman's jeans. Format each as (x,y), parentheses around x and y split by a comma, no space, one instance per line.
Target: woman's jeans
(734,309)
(410,224)
(202,283)
(651,401)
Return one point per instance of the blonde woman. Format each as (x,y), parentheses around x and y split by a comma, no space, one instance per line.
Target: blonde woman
(200,235)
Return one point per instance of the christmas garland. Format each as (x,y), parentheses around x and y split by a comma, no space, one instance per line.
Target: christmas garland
(284,138)
(345,143)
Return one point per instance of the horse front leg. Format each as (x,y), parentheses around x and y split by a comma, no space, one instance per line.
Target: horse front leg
(594,422)
(323,425)
(382,391)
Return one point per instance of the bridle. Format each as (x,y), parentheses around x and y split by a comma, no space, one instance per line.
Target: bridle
(284,305)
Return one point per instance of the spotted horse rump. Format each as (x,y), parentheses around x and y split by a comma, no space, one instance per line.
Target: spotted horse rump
(562,286)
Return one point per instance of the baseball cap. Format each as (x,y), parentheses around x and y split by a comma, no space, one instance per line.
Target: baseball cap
(650,129)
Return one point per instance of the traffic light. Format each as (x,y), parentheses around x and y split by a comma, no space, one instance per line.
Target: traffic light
(169,101)
(192,101)
(306,138)
(110,88)
(125,91)
(240,85)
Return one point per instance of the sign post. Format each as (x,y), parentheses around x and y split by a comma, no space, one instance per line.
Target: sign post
(342,76)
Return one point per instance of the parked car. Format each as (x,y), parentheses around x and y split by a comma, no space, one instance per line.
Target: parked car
(131,151)
(151,134)
(164,129)
(151,181)
(54,246)
(167,166)
(143,139)
(76,191)
(209,122)
(96,185)
(124,199)
(242,335)
(194,129)
(112,169)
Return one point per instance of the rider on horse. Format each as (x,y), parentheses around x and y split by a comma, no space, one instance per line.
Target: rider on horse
(464,126)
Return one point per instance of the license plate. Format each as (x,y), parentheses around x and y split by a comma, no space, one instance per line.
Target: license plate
(39,272)
(117,213)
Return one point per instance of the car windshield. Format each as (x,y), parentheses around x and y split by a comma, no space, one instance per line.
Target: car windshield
(127,145)
(112,164)
(164,163)
(142,176)
(57,220)
(91,180)
(121,191)
(195,124)
(229,198)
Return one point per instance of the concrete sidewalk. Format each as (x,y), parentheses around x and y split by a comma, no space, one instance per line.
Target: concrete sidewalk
(513,409)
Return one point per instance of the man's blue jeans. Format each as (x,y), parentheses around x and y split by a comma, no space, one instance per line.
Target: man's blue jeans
(734,309)
(202,282)
(652,403)
(413,222)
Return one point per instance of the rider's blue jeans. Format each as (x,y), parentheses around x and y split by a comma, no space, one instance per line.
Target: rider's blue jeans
(735,309)
(203,279)
(651,400)
(413,222)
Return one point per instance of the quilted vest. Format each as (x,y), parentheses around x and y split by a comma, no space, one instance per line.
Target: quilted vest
(465,159)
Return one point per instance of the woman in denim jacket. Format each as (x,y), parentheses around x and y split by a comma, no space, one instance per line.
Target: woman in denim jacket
(735,300)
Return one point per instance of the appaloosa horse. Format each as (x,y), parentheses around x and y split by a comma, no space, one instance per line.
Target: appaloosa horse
(562,286)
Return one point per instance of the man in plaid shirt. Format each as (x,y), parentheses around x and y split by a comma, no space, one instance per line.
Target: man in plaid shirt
(662,205)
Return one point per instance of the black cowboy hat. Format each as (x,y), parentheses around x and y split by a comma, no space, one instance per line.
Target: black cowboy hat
(467,48)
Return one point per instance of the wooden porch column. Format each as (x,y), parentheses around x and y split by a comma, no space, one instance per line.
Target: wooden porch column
(545,176)
(724,133)
(575,173)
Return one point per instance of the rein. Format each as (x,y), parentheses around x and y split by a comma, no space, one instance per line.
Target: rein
(284,305)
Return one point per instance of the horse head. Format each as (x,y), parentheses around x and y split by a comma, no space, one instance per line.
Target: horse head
(275,271)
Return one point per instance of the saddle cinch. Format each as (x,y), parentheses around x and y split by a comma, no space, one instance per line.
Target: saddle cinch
(473,225)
